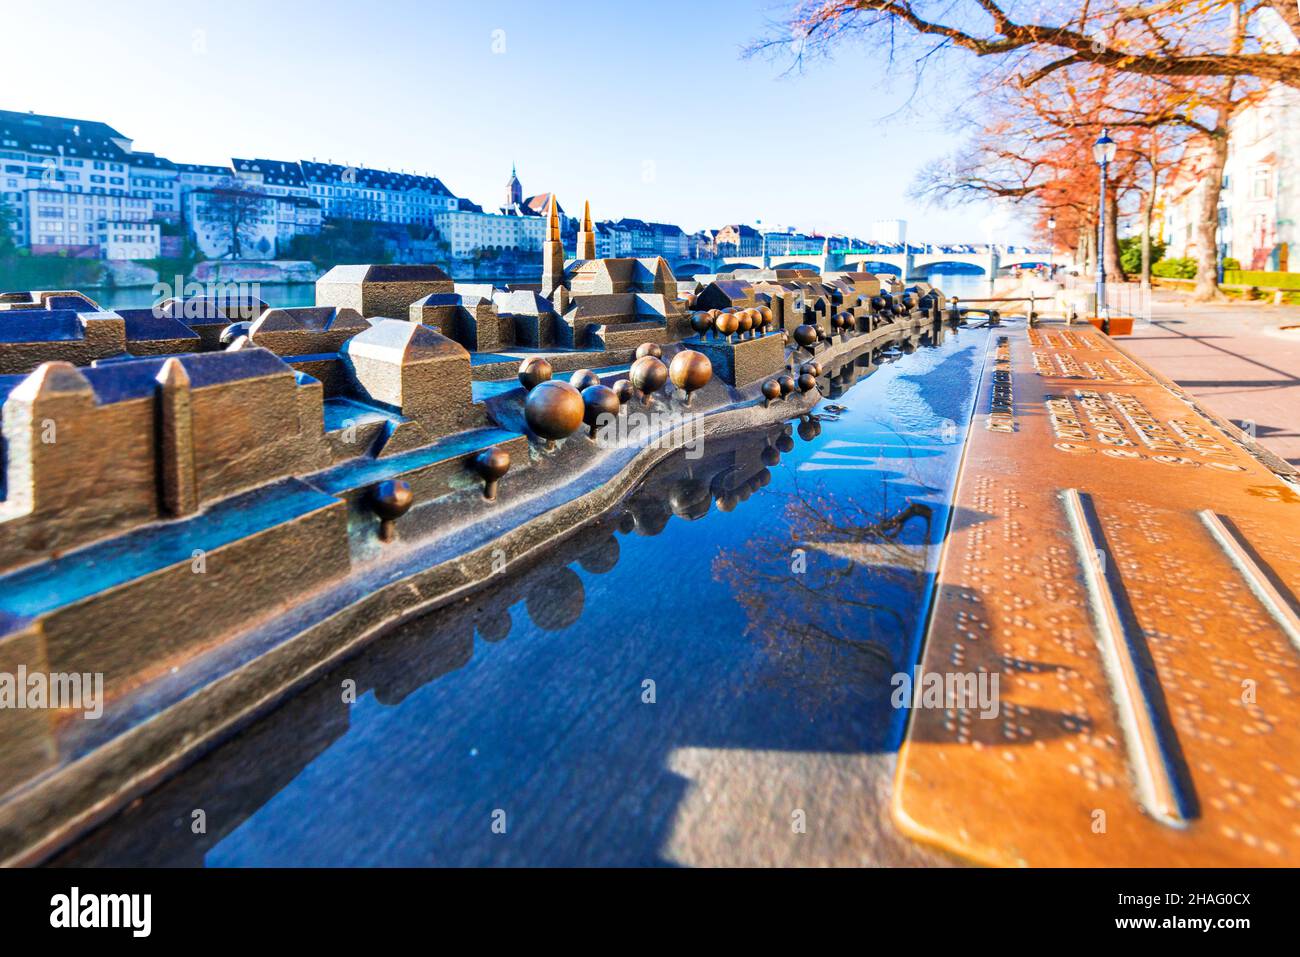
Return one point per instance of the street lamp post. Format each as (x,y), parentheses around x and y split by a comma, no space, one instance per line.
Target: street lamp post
(1051,248)
(1103,152)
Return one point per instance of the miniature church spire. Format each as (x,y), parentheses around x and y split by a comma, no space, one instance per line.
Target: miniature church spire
(553,221)
(552,251)
(586,235)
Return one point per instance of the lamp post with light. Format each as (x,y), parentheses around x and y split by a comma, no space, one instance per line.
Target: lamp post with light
(1103,151)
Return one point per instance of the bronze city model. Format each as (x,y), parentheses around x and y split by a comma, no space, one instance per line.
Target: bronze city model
(210,501)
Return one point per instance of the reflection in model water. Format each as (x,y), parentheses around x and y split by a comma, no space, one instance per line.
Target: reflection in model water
(769,615)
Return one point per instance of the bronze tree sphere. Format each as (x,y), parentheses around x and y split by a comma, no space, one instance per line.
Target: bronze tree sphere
(786,383)
(494,625)
(583,378)
(690,370)
(624,390)
(812,368)
(648,374)
(771,390)
(492,463)
(390,500)
(809,429)
(598,401)
(806,335)
(600,558)
(554,410)
(701,322)
(807,383)
(690,498)
(726,323)
(649,349)
(533,371)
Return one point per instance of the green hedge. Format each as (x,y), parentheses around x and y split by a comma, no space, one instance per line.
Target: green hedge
(1254,277)
(1175,269)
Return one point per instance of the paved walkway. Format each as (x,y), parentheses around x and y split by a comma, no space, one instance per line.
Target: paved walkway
(1235,356)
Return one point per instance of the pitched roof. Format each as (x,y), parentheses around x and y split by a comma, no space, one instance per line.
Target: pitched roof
(57,135)
(539,204)
(151,161)
(366,178)
(274,172)
(203,168)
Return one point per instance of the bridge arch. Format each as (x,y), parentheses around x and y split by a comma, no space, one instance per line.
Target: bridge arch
(876,266)
(950,266)
(690,270)
(797,264)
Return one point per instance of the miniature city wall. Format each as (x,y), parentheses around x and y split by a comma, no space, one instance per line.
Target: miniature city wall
(207,502)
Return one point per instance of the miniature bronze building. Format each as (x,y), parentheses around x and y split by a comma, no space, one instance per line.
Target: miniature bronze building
(380,291)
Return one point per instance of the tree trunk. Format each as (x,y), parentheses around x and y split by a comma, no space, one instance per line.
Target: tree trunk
(1114,271)
(1207,226)
(1145,278)
(1149,212)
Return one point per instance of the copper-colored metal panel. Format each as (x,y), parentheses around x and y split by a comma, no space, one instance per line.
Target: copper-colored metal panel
(1129,572)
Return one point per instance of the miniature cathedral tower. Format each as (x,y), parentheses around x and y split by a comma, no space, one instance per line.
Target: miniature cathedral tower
(587,235)
(552,252)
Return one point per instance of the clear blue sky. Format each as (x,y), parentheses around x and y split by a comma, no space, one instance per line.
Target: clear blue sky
(646,108)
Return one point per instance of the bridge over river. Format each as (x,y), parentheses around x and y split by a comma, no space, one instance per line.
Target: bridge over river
(916,263)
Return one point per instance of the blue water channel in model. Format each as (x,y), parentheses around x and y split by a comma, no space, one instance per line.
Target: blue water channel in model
(757,598)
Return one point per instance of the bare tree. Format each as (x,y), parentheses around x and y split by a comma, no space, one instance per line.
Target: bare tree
(236,212)
(1171,38)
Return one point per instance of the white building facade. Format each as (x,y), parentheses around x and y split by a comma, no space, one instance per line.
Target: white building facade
(381,196)
(1261,201)
(61,222)
(893,231)
(128,239)
(468,228)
